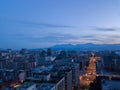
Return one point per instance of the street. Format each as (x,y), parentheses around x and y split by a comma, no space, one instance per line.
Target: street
(89,76)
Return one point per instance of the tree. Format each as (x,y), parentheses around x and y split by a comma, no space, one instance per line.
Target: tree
(96,85)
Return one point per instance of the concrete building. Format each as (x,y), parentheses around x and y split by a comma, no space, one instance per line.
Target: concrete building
(60,85)
(75,74)
(27,86)
(49,58)
(68,80)
(112,62)
(38,76)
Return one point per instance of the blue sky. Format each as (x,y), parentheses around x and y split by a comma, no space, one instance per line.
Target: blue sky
(43,23)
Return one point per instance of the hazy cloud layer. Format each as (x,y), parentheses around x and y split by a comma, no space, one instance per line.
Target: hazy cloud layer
(88,36)
(56,38)
(53,38)
(44,25)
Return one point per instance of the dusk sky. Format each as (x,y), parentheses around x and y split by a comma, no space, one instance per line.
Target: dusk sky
(43,23)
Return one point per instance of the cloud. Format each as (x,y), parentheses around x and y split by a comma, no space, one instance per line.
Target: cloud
(116,36)
(55,38)
(51,38)
(105,29)
(101,38)
(88,36)
(62,38)
(44,25)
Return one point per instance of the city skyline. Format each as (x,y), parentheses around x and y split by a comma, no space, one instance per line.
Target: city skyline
(35,24)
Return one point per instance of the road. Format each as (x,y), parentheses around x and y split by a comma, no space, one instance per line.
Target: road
(89,76)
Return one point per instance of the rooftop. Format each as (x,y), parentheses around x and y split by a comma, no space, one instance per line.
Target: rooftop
(46,86)
(26,85)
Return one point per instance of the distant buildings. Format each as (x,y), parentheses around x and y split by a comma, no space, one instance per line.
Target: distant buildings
(47,69)
(112,62)
(110,84)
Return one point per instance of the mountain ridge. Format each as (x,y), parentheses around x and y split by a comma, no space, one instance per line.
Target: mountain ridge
(87,46)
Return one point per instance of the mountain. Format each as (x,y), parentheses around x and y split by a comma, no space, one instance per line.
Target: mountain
(88,46)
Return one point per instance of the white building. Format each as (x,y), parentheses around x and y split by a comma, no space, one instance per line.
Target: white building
(49,58)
